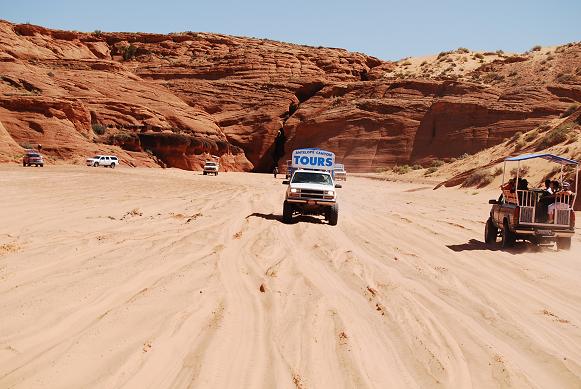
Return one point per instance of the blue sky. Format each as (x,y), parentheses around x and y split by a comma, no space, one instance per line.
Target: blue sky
(385,29)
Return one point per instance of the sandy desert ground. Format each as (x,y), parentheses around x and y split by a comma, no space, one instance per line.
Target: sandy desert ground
(150,278)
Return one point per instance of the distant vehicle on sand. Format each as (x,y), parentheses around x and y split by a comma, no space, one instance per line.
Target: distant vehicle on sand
(340,172)
(103,160)
(32,158)
(211,167)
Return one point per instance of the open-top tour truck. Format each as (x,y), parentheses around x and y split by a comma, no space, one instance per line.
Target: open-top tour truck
(536,215)
(311,188)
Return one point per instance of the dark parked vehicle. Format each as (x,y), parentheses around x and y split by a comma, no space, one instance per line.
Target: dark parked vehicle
(32,158)
(539,215)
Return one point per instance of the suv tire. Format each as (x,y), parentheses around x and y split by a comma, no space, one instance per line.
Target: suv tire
(490,232)
(333,214)
(287,213)
(96,164)
(508,237)
(112,165)
(564,243)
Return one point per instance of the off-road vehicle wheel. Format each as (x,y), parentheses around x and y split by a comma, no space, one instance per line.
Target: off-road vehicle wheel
(287,213)
(24,164)
(508,237)
(204,173)
(112,165)
(216,174)
(490,232)
(96,164)
(41,165)
(564,243)
(333,214)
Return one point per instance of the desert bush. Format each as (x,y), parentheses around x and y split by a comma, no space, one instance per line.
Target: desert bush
(417,167)
(99,129)
(443,54)
(478,178)
(26,145)
(129,52)
(572,108)
(536,48)
(463,156)
(524,170)
(50,74)
(462,50)
(544,127)
(381,170)
(479,56)
(497,172)
(430,170)
(517,135)
(97,32)
(406,63)
(403,169)
(531,135)
(437,163)
(519,144)
(500,52)
(424,63)
(555,136)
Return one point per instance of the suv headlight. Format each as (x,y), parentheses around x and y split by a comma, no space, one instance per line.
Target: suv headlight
(330,193)
(294,190)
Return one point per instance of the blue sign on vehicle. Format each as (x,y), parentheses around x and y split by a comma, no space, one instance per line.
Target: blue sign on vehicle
(313,159)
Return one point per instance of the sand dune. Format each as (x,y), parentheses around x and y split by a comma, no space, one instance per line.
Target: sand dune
(168,279)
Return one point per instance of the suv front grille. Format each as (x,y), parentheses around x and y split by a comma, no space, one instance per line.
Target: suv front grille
(313,194)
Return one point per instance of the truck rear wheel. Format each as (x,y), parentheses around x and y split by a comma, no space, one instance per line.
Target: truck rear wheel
(287,213)
(564,243)
(204,173)
(490,232)
(333,214)
(508,237)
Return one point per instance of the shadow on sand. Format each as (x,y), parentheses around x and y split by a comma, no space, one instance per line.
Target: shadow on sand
(477,245)
(296,219)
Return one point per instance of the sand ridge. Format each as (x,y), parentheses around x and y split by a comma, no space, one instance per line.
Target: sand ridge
(169,279)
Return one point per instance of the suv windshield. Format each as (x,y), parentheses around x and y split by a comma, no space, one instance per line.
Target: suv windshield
(34,155)
(311,178)
(210,163)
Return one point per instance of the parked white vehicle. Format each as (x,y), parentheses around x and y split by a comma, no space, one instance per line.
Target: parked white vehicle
(340,172)
(103,160)
(211,167)
(311,189)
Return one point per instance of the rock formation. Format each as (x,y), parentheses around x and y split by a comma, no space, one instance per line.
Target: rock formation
(178,99)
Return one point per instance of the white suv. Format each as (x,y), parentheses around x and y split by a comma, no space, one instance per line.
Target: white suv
(311,192)
(211,167)
(103,160)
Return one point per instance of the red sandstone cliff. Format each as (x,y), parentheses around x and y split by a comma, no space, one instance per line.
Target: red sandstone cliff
(183,97)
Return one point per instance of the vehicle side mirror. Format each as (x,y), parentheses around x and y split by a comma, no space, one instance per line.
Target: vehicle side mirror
(492,202)
(285,182)
(338,186)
